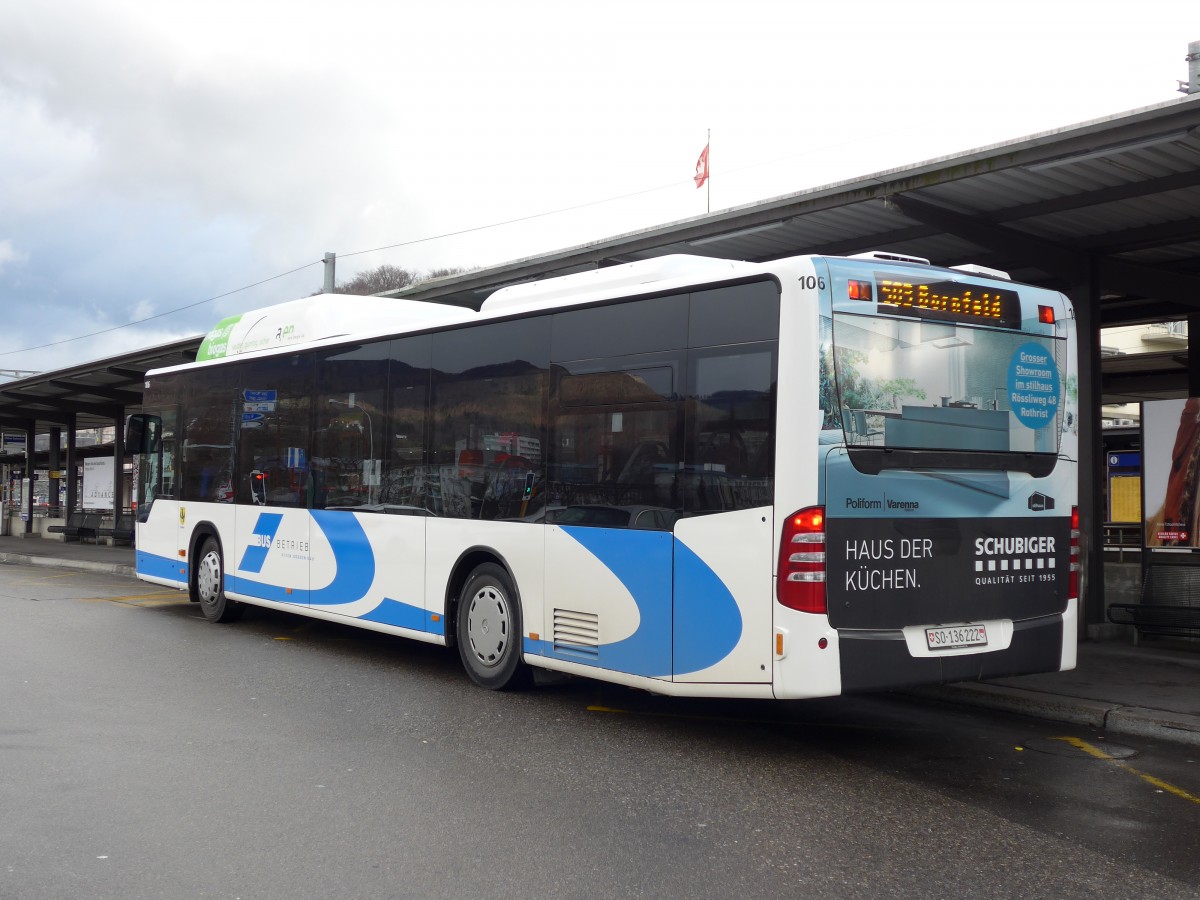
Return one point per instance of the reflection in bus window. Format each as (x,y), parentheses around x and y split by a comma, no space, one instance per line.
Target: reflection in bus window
(488,421)
(349,434)
(616,434)
(731,426)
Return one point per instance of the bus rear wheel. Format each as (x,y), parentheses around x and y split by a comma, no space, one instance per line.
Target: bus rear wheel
(489,629)
(210,585)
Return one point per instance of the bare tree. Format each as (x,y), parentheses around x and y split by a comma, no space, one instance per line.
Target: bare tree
(443,272)
(375,281)
(389,278)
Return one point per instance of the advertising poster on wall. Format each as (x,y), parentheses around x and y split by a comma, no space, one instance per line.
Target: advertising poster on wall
(97,483)
(1171,448)
(14,445)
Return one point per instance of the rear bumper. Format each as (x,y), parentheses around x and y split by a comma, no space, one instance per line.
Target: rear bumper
(879,660)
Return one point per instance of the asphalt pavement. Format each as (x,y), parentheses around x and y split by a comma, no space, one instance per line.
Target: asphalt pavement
(1151,690)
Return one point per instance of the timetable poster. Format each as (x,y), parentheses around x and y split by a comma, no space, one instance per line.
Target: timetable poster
(1171,448)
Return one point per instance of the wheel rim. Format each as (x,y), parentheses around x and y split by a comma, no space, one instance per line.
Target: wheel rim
(488,626)
(208,578)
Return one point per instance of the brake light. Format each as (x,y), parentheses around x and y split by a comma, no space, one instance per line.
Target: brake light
(858,290)
(801,581)
(1046,315)
(1073,578)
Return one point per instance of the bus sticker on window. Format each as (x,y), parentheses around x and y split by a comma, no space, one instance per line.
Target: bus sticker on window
(1033,386)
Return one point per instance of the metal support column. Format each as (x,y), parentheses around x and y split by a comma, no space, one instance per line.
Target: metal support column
(72,471)
(30,473)
(119,465)
(54,509)
(1086,299)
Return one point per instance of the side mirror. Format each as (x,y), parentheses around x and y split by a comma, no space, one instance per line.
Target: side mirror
(143,434)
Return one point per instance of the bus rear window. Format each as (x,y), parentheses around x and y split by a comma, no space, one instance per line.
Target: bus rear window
(925,385)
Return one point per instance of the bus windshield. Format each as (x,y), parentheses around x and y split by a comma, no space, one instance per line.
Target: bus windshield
(945,386)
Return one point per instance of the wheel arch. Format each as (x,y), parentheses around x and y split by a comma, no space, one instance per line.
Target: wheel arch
(202,531)
(469,560)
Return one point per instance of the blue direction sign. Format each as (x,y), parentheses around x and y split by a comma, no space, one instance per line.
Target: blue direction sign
(260,396)
(251,416)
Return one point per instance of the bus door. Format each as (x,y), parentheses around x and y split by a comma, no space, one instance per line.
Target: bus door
(722,572)
(151,440)
(271,553)
(609,589)
(614,456)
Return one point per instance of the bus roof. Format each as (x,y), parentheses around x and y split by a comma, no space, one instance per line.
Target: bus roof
(321,317)
(581,286)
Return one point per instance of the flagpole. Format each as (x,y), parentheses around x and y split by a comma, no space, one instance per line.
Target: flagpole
(708,193)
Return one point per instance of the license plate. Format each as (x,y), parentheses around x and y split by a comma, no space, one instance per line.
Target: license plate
(954,636)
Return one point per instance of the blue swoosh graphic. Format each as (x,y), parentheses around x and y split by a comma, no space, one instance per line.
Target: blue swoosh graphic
(394,612)
(641,560)
(655,567)
(351,554)
(708,622)
(161,566)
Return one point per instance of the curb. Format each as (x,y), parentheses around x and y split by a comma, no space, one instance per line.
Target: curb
(50,562)
(1114,718)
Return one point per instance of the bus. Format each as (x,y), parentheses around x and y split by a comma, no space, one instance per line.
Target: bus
(693,476)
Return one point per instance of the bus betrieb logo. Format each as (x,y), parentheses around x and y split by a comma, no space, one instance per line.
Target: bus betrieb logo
(260,542)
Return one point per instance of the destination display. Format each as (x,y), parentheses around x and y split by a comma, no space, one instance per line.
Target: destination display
(949,301)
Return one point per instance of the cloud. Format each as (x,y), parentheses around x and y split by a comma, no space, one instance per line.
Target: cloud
(10,254)
(154,156)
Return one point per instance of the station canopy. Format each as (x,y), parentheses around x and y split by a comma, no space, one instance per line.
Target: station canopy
(99,393)
(1112,204)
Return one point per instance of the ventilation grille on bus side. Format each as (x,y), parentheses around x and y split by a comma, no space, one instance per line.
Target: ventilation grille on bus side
(576,632)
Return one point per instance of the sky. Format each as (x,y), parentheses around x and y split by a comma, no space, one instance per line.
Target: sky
(170,164)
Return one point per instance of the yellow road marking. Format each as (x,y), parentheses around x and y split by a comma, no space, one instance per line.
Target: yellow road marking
(1097,753)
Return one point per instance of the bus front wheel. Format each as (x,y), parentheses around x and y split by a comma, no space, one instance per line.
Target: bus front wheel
(489,629)
(210,585)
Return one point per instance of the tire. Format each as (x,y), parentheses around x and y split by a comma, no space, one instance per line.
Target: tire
(210,585)
(489,632)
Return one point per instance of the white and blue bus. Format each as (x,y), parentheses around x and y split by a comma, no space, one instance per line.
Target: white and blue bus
(693,476)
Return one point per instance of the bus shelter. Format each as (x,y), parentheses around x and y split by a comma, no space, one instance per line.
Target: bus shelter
(62,404)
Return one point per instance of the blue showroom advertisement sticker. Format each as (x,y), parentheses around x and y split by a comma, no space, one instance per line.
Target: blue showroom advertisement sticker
(1033,386)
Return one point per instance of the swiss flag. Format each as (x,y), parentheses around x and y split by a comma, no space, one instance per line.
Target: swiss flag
(702,167)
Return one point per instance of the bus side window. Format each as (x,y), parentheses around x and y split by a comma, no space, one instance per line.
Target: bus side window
(730,428)
(488,418)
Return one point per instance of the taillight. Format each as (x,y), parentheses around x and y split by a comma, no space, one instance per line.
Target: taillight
(1073,579)
(858,290)
(801,583)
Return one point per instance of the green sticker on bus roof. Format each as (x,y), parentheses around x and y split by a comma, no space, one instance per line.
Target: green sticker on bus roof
(216,343)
